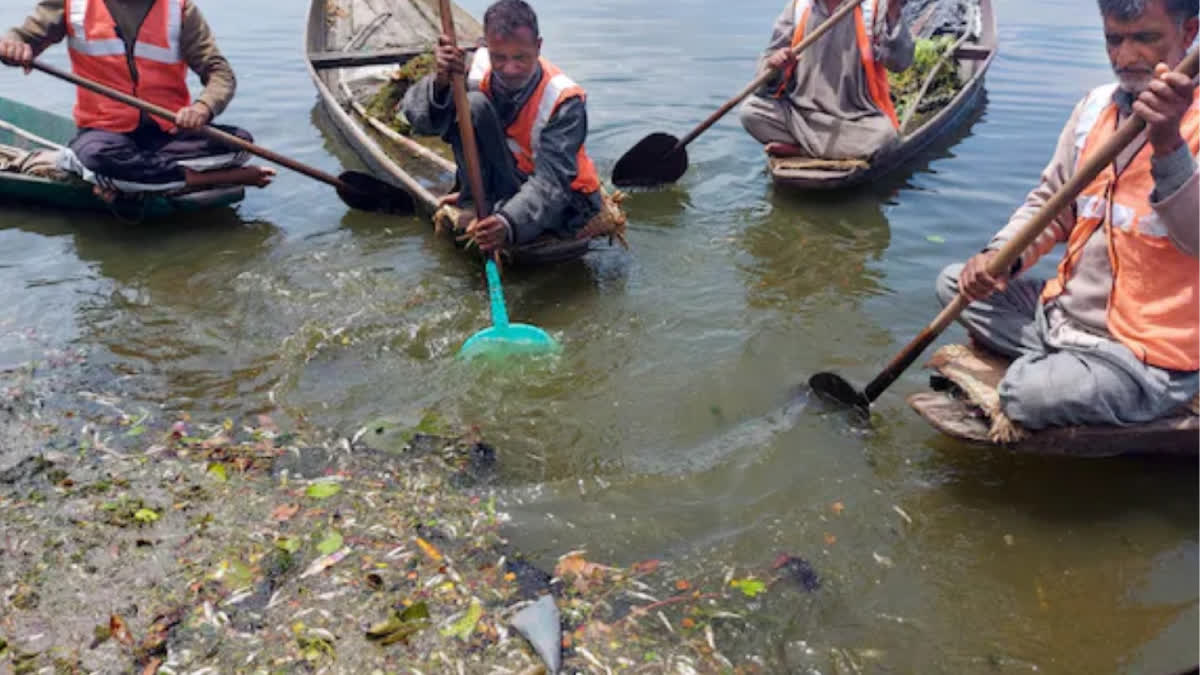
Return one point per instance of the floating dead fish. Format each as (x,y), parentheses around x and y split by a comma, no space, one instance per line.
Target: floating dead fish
(540,624)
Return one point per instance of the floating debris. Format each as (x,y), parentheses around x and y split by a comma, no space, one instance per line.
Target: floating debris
(540,624)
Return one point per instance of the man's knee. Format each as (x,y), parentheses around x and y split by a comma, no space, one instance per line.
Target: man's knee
(946,285)
(102,151)
(752,115)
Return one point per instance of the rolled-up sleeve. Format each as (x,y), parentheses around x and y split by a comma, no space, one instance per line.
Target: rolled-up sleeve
(44,27)
(200,51)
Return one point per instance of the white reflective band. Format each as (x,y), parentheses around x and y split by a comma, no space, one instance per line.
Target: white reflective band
(554,89)
(155,53)
(97,47)
(800,8)
(514,146)
(1090,207)
(480,65)
(78,12)
(1122,217)
(1152,226)
(1093,105)
(171,54)
(869,8)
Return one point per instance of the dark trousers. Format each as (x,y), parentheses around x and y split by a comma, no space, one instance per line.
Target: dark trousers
(150,159)
(501,178)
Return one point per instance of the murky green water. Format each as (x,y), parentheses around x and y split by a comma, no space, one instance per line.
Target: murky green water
(659,433)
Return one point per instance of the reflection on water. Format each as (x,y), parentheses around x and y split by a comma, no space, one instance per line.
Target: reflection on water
(667,428)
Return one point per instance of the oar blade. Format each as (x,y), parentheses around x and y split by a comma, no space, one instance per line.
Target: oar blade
(368,193)
(833,388)
(653,161)
(515,339)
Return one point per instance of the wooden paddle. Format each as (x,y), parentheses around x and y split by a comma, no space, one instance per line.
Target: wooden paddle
(502,338)
(358,190)
(834,388)
(661,158)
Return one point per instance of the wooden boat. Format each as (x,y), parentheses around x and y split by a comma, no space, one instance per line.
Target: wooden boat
(353,46)
(965,383)
(972,57)
(24,127)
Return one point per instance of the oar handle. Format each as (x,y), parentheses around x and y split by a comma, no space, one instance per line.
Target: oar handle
(762,79)
(466,128)
(1002,262)
(211,132)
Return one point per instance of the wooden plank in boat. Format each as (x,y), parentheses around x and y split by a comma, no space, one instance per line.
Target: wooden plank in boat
(972,53)
(398,56)
(973,369)
(1176,436)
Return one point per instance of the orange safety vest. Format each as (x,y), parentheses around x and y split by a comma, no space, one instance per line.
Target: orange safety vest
(1154,307)
(866,15)
(525,133)
(98,54)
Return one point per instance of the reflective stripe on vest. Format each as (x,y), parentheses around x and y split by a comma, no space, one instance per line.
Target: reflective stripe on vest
(169,53)
(1154,305)
(98,53)
(525,132)
(866,16)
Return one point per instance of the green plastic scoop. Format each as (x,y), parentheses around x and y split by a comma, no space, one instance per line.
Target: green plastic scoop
(504,338)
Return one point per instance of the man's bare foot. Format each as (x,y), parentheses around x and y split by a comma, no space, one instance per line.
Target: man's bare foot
(784,150)
(107,196)
(255,176)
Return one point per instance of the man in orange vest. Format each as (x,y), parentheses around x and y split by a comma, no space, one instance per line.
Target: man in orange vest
(530,123)
(1114,338)
(143,48)
(833,102)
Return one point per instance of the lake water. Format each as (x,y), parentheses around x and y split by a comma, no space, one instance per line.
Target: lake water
(659,433)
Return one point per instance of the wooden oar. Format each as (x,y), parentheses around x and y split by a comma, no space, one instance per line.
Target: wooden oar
(832,387)
(358,190)
(502,338)
(661,158)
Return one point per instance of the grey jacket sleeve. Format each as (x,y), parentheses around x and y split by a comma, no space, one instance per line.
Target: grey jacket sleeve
(1176,198)
(539,204)
(428,113)
(895,48)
